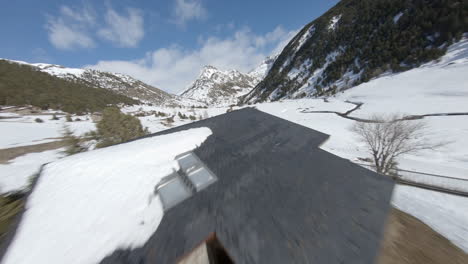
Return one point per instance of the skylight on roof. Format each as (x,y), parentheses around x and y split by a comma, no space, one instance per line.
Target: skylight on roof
(188,162)
(192,177)
(173,191)
(201,178)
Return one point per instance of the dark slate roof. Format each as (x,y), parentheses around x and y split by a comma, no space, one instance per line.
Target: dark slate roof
(278,199)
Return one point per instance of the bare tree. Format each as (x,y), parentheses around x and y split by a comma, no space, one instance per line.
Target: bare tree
(388,137)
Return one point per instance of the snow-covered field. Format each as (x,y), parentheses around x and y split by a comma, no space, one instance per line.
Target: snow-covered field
(24,130)
(98,201)
(17,174)
(155,124)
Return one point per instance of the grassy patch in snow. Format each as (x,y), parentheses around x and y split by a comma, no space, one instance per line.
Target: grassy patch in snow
(11,153)
(10,206)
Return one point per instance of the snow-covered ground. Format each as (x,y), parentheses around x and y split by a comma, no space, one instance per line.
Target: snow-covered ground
(87,205)
(446,214)
(24,130)
(438,87)
(17,174)
(156,124)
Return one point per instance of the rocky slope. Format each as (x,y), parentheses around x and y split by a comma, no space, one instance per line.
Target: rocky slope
(118,83)
(217,87)
(358,40)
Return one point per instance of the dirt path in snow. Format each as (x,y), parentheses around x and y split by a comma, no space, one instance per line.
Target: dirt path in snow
(358,105)
(10,153)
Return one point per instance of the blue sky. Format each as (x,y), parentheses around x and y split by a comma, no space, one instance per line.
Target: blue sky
(164,43)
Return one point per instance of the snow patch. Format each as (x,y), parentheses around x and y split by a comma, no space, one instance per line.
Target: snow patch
(312,81)
(16,175)
(397,17)
(309,32)
(59,71)
(333,22)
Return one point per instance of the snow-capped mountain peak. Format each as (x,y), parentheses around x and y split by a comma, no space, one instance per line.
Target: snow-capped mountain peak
(262,70)
(218,87)
(207,71)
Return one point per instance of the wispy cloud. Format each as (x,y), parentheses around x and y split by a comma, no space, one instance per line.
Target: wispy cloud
(174,68)
(186,10)
(124,31)
(70,29)
(75,28)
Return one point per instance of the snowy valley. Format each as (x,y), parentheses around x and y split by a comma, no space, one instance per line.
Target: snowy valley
(387,94)
(337,71)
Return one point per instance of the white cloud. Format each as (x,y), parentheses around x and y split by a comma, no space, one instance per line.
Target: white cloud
(124,31)
(78,28)
(174,68)
(70,29)
(186,10)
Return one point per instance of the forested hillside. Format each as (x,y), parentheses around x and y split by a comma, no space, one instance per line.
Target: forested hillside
(23,84)
(360,39)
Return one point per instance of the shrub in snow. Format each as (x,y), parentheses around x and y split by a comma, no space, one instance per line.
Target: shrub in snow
(170,120)
(117,127)
(10,206)
(38,120)
(68,118)
(181,116)
(73,143)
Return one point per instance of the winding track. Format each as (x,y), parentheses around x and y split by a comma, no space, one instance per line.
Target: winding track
(358,105)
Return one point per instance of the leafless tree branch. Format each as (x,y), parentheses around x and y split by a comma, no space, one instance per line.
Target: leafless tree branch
(388,137)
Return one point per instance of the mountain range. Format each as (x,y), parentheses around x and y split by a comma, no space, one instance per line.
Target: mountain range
(353,42)
(116,82)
